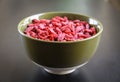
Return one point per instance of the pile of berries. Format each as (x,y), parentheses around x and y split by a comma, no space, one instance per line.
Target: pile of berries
(59,29)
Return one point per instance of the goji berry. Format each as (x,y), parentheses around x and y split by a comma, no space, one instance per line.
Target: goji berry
(59,29)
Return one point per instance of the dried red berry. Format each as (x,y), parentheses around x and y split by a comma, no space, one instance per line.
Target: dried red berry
(59,29)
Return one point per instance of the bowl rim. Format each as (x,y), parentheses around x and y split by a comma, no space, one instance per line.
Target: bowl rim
(97,34)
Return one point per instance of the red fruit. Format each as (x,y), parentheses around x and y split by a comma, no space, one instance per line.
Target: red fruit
(59,29)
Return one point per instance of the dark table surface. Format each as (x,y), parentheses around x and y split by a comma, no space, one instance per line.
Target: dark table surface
(15,66)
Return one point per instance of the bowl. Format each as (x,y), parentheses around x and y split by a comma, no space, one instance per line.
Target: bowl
(60,57)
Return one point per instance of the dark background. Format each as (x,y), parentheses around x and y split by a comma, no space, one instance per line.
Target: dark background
(15,66)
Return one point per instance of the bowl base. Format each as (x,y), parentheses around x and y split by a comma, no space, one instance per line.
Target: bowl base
(61,71)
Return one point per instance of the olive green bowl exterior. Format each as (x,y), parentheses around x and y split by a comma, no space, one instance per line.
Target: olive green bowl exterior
(60,54)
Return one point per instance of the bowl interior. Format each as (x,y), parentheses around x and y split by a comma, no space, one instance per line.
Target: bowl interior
(72,16)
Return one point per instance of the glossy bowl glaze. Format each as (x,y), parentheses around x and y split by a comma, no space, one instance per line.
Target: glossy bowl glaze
(55,56)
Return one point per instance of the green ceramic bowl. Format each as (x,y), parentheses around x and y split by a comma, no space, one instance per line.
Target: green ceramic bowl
(58,56)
